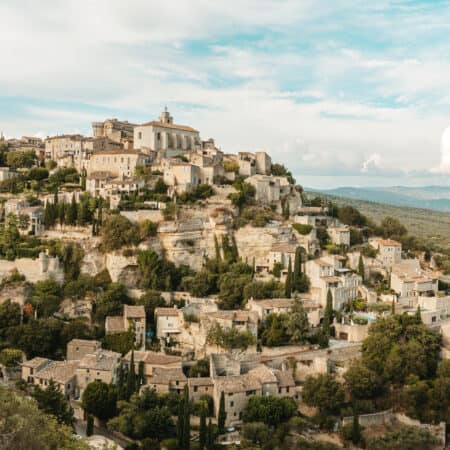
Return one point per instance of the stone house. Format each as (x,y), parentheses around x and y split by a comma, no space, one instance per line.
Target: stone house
(101,365)
(117,163)
(134,318)
(316,216)
(181,176)
(281,253)
(327,274)
(152,361)
(199,387)
(389,251)
(86,363)
(120,131)
(78,348)
(339,235)
(408,279)
(165,380)
(75,150)
(164,136)
(283,306)
(169,322)
(39,371)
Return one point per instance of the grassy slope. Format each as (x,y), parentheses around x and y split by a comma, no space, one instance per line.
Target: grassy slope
(432,226)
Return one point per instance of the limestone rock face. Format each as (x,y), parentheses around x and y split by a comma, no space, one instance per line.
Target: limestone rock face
(255,243)
(122,269)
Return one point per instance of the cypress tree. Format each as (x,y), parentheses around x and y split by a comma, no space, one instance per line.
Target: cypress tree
(203,430)
(73,211)
(393,307)
(361,269)
(141,376)
(418,315)
(356,430)
(210,436)
(186,420)
(328,314)
(222,415)
(297,276)
(121,387)
(288,284)
(180,424)
(48,215)
(131,378)
(90,425)
(62,213)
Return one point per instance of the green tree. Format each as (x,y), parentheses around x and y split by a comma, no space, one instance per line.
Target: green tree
(24,426)
(116,232)
(10,316)
(297,326)
(274,331)
(399,346)
(288,283)
(52,401)
(100,399)
(328,315)
(46,297)
(361,270)
(111,302)
(323,392)
(131,377)
(203,429)
(144,416)
(222,415)
(361,382)
(90,425)
(269,410)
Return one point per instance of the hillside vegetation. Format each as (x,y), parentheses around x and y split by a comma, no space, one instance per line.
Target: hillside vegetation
(433,227)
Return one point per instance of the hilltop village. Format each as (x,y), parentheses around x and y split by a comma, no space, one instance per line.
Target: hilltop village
(159,292)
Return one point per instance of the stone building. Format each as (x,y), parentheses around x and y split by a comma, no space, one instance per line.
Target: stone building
(116,163)
(40,371)
(133,318)
(408,279)
(151,361)
(102,365)
(78,348)
(339,235)
(389,251)
(328,274)
(165,380)
(120,131)
(74,150)
(165,137)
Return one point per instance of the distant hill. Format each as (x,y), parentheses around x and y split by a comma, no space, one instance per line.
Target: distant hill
(429,197)
(430,225)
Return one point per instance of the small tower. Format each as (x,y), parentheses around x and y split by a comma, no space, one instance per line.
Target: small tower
(166,117)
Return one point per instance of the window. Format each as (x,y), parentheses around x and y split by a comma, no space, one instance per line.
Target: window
(287,389)
(231,404)
(230,394)
(195,388)
(140,135)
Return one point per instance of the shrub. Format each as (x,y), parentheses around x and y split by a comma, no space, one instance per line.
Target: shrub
(301,228)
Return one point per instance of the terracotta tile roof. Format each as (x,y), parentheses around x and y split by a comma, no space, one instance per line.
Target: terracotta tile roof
(137,311)
(100,360)
(389,243)
(237,383)
(118,151)
(150,357)
(165,376)
(263,374)
(84,342)
(200,381)
(59,371)
(156,123)
(275,303)
(36,362)
(284,378)
(167,312)
(331,279)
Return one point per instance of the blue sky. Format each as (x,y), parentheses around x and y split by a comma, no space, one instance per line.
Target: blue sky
(343,92)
